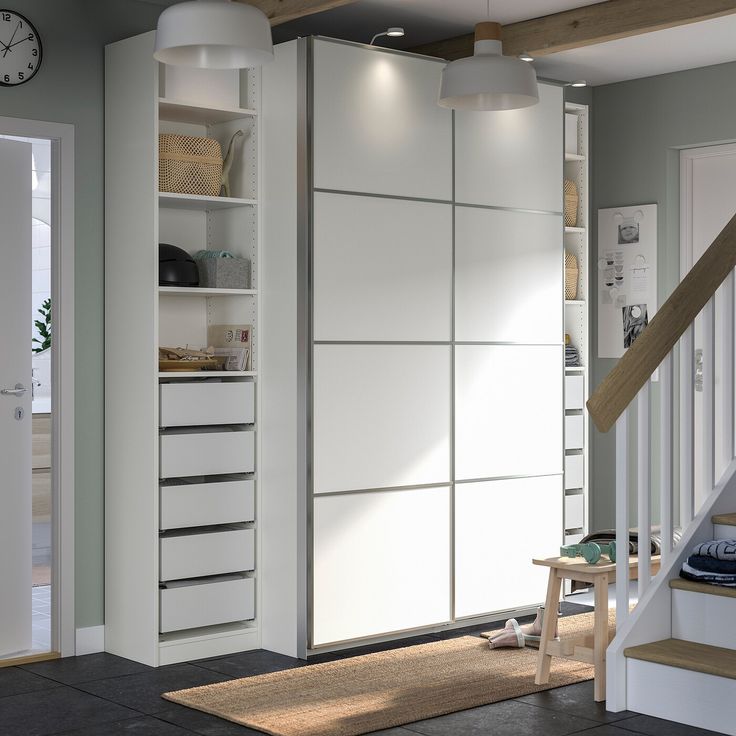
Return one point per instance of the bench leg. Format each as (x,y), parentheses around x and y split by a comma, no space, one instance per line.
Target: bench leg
(549,626)
(600,636)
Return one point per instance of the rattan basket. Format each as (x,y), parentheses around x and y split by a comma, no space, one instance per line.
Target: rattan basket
(189,164)
(571,276)
(571,204)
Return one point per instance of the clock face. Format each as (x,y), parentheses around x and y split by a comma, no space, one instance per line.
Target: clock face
(20,49)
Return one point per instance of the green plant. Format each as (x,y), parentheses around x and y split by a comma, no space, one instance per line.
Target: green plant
(43,326)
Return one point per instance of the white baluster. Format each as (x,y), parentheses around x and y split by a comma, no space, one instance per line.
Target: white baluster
(727,374)
(687,438)
(709,393)
(643,482)
(622,518)
(665,456)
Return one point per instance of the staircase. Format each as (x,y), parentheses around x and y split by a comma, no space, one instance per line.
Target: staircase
(674,653)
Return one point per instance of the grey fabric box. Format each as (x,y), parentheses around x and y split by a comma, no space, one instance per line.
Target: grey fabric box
(224,273)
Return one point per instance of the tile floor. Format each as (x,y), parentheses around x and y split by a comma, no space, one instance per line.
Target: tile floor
(41,606)
(104,695)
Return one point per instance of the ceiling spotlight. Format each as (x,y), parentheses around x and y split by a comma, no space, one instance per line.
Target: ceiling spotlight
(577,83)
(394,32)
(526,57)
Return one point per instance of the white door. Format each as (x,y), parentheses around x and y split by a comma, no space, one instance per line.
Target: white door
(708,202)
(15,397)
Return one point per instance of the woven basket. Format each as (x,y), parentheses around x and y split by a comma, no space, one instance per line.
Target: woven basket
(189,164)
(571,276)
(571,204)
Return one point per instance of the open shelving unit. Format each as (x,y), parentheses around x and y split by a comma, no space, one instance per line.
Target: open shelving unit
(182,447)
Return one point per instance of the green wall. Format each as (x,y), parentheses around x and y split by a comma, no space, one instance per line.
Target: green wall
(638,128)
(69,89)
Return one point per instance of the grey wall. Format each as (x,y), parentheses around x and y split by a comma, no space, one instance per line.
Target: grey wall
(69,89)
(638,129)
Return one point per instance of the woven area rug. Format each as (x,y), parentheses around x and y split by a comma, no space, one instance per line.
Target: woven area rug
(378,691)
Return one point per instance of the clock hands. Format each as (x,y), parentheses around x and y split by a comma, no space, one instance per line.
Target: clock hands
(10,43)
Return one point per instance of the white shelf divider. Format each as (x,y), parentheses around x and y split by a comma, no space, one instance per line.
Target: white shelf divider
(203,292)
(186,111)
(207,374)
(200,202)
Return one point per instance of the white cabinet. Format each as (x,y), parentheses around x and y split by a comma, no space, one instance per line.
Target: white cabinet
(204,504)
(512,158)
(377,126)
(187,453)
(382,268)
(574,432)
(507,276)
(206,402)
(574,393)
(575,511)
(381,416)
(574,472)
(508,407)
(381,562)
(499,526)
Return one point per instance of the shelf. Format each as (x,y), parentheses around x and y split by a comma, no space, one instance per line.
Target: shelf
(207,374)
(183,111)
(200,202)
(202,292)
(574,230)
(574,157)
(575,369)
(575,302)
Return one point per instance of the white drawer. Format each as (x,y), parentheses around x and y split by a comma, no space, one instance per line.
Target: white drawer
(206,453)
(574,432)
(575,511)
(206,603)
(204,504)
(198,403)
(574,392)
(195,554)
(573,538)
(574,472)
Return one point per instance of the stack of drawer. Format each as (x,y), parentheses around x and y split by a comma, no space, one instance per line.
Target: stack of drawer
(574,458)
(206,501)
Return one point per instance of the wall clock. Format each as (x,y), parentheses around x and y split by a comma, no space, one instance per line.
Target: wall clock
(20,49)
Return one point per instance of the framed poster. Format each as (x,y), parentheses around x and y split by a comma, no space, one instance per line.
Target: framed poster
(627,275)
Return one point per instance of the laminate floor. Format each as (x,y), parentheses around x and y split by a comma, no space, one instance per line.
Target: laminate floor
(105,695)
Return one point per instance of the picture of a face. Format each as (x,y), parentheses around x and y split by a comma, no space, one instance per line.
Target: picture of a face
(628,232)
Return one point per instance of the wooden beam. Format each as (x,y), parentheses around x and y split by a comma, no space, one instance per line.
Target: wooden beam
(619,388)
(282,11)
(588,25)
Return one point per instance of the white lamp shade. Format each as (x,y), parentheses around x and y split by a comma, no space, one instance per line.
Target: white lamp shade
(213,34)
(488,80)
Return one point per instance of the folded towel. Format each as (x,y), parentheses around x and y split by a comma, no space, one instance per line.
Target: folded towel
(718,549)
(690,573)
(709,564)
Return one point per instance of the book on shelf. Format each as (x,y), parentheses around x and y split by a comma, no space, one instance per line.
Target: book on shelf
(234,342)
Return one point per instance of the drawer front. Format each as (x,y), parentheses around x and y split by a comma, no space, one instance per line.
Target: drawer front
(204,504)
(197,403)
(206,453)
(574,472)
(575,511)
(573,538)
(574,433)
(211,553)
(574,392)
(207,604)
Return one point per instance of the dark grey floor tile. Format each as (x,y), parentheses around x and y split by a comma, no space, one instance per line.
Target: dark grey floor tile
(605,730)
(246,664)
(577,700)
(372,648)
(393,732)
(72,670)
(14,681)
(56,710)
(508,718)
(205,724)
(567,608)
(141,726)
(142,691)
(651,726)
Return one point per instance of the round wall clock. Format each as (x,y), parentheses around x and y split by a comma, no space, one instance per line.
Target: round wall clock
(20,49)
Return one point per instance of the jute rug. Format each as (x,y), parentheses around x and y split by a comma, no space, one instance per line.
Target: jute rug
(378,691)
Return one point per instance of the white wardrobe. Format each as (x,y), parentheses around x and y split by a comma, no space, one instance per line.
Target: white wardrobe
(412,455)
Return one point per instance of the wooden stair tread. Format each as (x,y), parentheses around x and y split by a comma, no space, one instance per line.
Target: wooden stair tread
(687,655)
(695,587)
(729,519)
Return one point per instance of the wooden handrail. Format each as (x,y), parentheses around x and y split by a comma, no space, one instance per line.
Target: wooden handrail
(619,388)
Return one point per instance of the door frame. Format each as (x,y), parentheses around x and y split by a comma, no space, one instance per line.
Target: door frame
(63,632)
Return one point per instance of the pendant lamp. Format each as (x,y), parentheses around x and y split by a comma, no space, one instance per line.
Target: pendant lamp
(488,80)
(213,34)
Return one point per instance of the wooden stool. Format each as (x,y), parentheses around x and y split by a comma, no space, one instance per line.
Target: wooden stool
(590,649)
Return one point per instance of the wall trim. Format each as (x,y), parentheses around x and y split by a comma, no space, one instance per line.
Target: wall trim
(90,640)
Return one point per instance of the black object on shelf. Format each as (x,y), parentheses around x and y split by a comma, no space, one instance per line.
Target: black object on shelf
(176,267)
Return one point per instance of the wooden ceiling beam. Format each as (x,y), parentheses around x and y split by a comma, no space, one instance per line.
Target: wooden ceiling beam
(282,11)
(588,25)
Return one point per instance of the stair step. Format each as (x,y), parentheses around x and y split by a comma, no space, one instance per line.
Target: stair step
(725,519)
(687,655)
(693,587)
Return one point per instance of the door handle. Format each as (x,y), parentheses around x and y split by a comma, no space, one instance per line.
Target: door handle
(19,390)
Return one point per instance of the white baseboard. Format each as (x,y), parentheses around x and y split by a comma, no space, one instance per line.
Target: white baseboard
(90,640)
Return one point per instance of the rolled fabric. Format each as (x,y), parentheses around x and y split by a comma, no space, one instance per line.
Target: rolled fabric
(710,564)
(718,549)
(690,573)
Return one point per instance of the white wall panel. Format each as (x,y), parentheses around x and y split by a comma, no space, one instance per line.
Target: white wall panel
(508,410)
(381,416)
(508,276)
(382,269)
(499,526)
(512,158)
(381,562)
(377,125)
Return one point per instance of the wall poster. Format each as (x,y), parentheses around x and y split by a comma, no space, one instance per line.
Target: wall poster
(627,275)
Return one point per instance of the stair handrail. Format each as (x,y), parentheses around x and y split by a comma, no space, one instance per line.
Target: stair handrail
(619,388)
